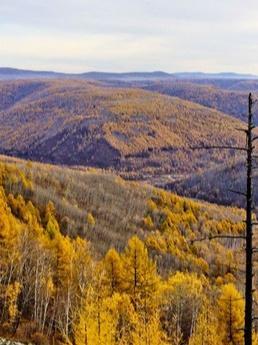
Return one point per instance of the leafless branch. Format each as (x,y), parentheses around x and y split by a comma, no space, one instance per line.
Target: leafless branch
(206,147)
(213,237)
(237,192)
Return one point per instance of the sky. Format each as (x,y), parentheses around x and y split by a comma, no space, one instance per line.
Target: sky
(134,35)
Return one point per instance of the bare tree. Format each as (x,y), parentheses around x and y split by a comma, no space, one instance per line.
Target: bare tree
(248,236)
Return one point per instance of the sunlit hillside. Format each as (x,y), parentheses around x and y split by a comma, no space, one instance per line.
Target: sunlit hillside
(83,250)
(230,102)
(140,134)
(90,203)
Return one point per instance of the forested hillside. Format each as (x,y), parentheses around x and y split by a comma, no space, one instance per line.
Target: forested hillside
(216,185)
(158,286)
(242,84)
(230,102)
(140,134)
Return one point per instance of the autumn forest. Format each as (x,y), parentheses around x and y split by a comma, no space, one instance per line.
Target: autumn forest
(112,223)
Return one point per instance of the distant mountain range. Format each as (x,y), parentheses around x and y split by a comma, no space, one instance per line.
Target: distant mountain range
(7,73)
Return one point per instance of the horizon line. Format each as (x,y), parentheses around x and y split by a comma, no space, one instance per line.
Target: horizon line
(125,72)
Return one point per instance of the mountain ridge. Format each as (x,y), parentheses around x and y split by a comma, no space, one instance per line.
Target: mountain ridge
(7,73)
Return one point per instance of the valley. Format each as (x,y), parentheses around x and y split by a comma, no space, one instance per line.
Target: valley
(139,134)
(128,172)
(111,213)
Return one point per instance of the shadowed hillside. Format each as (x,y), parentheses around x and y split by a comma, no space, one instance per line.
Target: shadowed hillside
(216,185)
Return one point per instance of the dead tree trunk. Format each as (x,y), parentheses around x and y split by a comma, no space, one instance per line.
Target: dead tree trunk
(249,230)
(248,236)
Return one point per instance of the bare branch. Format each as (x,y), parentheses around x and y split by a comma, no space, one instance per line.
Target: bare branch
(239,329)
(242,130)
(240,237)
(214,237)
(206,147)
(237,192)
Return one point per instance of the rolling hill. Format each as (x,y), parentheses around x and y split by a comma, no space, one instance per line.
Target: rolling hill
(230,102)
(63,279)
(17,74)
(119,207)
(7,73)
(140,134)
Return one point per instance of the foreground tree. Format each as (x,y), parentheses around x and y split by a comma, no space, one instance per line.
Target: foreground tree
(206,328)
(231,315)
(249,220)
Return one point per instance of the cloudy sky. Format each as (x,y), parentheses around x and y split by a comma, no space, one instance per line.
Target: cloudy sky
(130,35)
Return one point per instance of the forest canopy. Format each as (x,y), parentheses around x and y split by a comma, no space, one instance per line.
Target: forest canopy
(160,287)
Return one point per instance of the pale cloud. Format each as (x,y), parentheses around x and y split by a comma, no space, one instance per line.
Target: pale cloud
(72,50)
(119,35)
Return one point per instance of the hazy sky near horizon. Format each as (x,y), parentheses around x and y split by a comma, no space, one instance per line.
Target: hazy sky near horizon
(132,35)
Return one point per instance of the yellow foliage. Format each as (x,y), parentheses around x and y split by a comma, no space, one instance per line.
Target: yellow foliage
(12,293)
(148,331)
(140,278)
(136,295)
(52,226)
(113,272)
(151,205)
(99,320)
(148,222)
(90,219)
(231,315)
(207,328)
